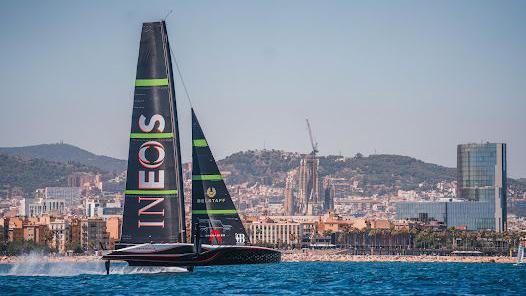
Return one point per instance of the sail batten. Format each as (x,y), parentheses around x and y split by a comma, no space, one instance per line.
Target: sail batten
(213,177)
(151,135)
(212,207)
(152,211)
(151,82)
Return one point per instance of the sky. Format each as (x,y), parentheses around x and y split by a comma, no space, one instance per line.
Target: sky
(413,78)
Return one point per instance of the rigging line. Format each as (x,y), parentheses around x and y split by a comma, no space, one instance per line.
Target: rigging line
(181,77)
(170,12)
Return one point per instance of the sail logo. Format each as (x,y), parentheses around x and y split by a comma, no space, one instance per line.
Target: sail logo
(151,157)
(156,119)
(144,161)
(147,210)
(147,180)
(215,234)
(240,238)
(211,192)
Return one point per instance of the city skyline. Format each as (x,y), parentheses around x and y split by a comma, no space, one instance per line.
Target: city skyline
(415,80)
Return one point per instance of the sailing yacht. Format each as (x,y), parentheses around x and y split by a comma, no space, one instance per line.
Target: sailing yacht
(154,226)
(520,254)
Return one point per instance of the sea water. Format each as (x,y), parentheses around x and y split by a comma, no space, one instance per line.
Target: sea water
(297,278)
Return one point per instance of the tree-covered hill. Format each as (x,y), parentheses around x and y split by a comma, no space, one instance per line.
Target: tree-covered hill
(263,166)
(380,173)
(389,171)
(48,165)
(67,153)
(31,174)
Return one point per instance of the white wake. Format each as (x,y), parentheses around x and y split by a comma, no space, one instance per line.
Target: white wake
(38,265)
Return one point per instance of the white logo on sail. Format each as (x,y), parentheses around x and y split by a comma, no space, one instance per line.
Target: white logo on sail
(240,238)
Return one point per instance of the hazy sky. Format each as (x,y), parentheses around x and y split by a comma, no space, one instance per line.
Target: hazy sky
(401,77)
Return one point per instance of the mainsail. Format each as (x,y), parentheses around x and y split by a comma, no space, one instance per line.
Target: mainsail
(520,254)
(212,207)
(154,195)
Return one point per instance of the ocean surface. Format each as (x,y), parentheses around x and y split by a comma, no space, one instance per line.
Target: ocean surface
(303,278)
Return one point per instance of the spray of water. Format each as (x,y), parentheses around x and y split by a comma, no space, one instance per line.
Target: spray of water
(35,264)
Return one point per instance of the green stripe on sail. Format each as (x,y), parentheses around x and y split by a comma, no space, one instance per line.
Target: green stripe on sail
(151,82)
(214,212)
(207,177)
(200,143)
(151,135)
(150,192)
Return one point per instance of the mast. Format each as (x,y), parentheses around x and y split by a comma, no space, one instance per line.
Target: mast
(153,192)
(178,163)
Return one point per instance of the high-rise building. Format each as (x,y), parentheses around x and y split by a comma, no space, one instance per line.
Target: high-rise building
(329,192)
(481,192)
(481,177)
(290,202)
(309,193)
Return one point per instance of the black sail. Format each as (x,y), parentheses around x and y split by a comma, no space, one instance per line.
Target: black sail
(212,207)
(153,196)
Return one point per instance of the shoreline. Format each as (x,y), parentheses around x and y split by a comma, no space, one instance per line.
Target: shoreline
(316,256)
(310,256)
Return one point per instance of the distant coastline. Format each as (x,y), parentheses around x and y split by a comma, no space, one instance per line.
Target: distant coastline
(296,256)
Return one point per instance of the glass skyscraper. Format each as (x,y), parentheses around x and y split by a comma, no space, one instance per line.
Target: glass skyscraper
(481,192)
(481,177)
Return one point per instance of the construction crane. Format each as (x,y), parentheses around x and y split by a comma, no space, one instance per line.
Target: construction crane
(312,142)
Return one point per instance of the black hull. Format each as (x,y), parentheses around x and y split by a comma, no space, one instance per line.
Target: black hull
(182,255)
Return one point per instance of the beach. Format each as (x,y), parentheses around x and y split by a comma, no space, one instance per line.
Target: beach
(295,256)
(338,256)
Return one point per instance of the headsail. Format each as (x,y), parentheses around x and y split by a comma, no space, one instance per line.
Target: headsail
(152,211)
(212,207)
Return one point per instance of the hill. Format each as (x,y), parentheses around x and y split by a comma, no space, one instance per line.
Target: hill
(376,174)
(30,174)
(37,166)
(67,153)
(379,173)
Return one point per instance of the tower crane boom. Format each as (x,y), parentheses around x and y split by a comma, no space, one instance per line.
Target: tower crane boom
(313,143)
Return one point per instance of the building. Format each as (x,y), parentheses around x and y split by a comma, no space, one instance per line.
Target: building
(329,190)
(290,202)
(308,185)
(482,177)
(85,181)
(59,229)
(276,234)
(452,213)
(35,233)
(93,234)
(113,227)
(481,192)
(15,231)
(105,210)
(23,208)
(4,229)
(42,206)
(422,211)
(75,232)
(71,195)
